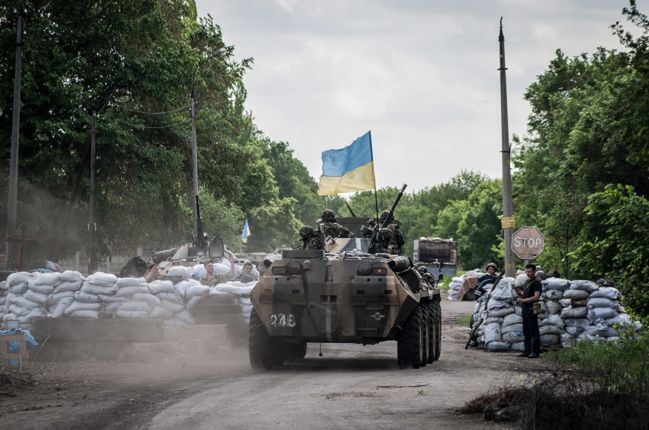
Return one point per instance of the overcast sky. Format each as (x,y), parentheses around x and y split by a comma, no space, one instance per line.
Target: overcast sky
(421,75)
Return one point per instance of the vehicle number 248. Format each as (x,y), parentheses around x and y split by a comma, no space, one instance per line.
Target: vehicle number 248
(282,320)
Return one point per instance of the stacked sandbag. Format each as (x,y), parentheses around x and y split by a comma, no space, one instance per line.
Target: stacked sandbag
(192,292)
(241,290)
(4,291)
(454,288)
(132,299)
(575,312)
(88,302)
(62,296)
(29,295)
(495,308)
(551,325)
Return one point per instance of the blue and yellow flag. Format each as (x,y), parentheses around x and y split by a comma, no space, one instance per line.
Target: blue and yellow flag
(245,232)
(348,169)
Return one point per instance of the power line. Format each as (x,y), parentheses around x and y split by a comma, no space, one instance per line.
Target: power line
(160,126)
(162,112)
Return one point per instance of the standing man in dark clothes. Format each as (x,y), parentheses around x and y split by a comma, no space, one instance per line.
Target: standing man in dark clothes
(530,294)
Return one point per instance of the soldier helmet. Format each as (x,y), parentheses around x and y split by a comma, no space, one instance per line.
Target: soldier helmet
(384,216)
(492,265)
(328,216)
(306,232)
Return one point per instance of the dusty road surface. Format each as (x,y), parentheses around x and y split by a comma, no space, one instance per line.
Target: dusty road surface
(209,385)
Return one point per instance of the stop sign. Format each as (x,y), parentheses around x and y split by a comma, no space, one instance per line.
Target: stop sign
(527,243)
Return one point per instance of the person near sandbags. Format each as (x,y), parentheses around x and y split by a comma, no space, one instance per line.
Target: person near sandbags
(486,279)
(527,296)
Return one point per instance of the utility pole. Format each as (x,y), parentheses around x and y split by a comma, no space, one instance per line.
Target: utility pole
(508,222)
(194,166)
(12,199)
(92,226)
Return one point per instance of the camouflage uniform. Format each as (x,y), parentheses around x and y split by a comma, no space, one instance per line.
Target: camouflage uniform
(389,239)
(310,238)
(330,228)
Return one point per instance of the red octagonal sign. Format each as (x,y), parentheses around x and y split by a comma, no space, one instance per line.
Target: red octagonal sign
(528,242)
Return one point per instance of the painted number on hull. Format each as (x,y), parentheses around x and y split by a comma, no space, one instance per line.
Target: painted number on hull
(282,320)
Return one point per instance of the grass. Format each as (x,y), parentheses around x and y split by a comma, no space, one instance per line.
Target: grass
(464,320)
(591,386)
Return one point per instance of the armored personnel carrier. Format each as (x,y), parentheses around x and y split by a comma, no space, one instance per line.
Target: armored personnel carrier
(344,297)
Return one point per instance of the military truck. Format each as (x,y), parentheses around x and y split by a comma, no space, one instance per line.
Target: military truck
(347,296)
(438,255)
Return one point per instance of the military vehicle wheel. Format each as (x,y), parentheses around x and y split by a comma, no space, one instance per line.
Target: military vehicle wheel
(260,344)
(432,330)
(298,351)
(410,345)
(437,321)
(427,334)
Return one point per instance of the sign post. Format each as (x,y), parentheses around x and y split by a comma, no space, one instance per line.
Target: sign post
(528,242)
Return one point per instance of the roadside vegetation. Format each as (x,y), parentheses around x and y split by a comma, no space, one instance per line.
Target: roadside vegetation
(591,386)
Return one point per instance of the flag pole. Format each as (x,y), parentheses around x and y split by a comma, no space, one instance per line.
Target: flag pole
(376,199)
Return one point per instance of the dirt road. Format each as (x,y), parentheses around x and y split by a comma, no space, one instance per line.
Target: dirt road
(210,386)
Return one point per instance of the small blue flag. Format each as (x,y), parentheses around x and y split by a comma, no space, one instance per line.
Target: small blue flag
(245,232)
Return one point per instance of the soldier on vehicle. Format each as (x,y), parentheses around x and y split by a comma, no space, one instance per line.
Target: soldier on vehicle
(389,239)
(311,238)
(330,228)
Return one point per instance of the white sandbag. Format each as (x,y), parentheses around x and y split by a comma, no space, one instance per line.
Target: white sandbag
(555,284)
(568,340)
(19,288)
(496,303)
(519,310)
(194,301)
(184,317)
(23,302)
(121,313)
(18,310)
(182,286)
(36,297)
(102,279)
(19,278)
(513,337)
(10,317)
(581,323)
(161,313)
(174,307)
(80,296)
(113,299)
(511,328)
(41,288)
(79,306)
(246,310)
(518,346)
(502,312)
(85,313)
(171,297)
(553,294)
(221,269)
(498,346)
(157,287)
(129,291)
(110,308)
(566,303)
(595,314)
(492,320)
(492,333)
(199,271)
(146,297)
(50,279)
(621,320)
(34,313)
(504,291)
(550,339)
(135,306)
(70,276)
(602,302)
(551,329)
(574,331)
(91,288)
(520,280)
(197,290)
(554,320)
(589,286)
(62,305)
(180,272)
(575,294)
(247,301)
(236,288)
(580,312)
(553,307)
(67,286)
(606,292)
(131,282)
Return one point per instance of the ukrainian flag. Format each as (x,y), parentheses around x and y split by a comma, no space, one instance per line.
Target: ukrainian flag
(245,231)
(348,169)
